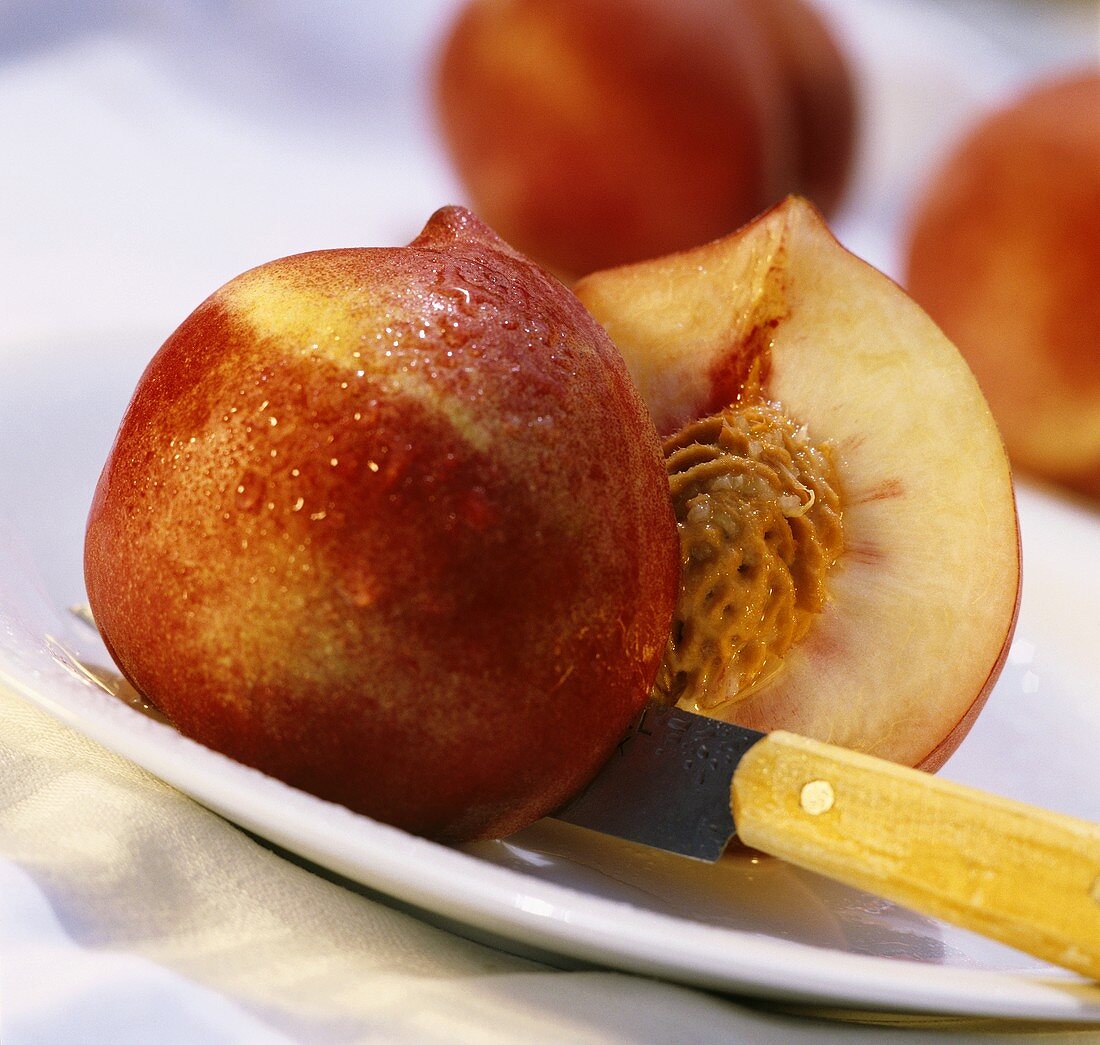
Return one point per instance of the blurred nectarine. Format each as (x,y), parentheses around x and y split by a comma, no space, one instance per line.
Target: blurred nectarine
(591,133)
(821,94)
(1005,255)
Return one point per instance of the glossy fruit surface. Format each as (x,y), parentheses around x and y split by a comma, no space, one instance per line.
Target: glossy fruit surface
(391,525)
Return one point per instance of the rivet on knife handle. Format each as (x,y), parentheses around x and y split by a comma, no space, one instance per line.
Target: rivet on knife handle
(1010,871)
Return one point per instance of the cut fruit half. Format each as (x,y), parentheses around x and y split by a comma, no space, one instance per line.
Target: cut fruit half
(918,609)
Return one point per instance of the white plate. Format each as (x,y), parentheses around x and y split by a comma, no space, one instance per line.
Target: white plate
(80,248)
(745,926)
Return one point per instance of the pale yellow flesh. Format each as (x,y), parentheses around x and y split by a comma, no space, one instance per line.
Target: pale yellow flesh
(923,599)
(1009,871)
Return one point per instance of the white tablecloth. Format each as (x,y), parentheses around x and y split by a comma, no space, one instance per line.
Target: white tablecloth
(129,914)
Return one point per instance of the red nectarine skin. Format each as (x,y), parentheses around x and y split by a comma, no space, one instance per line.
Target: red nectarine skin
(392,525)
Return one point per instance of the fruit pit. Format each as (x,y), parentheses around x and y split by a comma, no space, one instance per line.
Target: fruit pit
(759,516)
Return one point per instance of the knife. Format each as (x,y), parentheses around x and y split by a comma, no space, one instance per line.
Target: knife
(1013,872)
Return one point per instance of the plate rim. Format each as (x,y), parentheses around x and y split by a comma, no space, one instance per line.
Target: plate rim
(557,918)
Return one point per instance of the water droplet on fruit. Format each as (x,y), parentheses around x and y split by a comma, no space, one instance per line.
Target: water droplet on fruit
(249,492)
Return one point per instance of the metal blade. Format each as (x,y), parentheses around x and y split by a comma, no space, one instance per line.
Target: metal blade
(667,785)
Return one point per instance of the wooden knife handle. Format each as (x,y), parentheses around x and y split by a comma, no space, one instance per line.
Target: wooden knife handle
(1010,871)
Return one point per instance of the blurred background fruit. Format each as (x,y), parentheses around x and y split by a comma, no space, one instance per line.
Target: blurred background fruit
(821,94)
(592,133)
(1004,253)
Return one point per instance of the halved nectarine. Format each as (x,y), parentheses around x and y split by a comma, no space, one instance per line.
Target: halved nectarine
(824,432)
(393,526)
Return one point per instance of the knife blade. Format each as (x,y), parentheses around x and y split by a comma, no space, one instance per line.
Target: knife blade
(667,784)
(685,783)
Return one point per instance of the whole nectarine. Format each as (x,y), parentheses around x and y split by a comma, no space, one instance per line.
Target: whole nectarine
(1005,255)
(850,552)
(391,525)
(591,133)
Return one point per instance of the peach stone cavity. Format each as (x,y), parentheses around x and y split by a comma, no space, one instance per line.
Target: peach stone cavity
(759,516)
